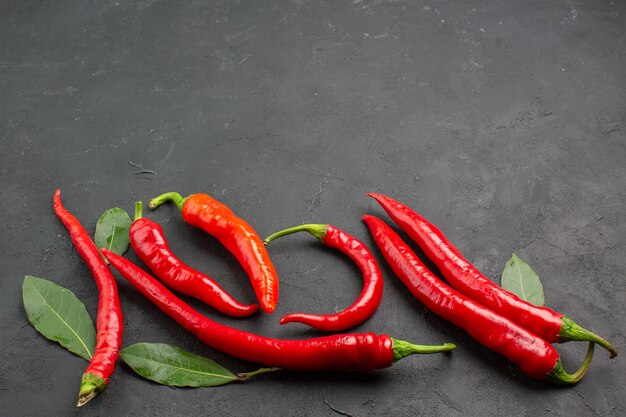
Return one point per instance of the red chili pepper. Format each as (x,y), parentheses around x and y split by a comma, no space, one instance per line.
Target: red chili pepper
(109,323)
(216,219)
(544,322)
(369,299)
(535,357)
(150,245)
(338,352)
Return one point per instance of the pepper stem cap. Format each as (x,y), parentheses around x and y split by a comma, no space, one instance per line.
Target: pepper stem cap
(572,331)
(173,196)
(90,386)
(558,375)
(402,349)
(317,230)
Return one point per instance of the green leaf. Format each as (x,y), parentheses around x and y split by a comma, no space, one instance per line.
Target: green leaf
(519,278)
(170,365)
(57,314)
(112,231)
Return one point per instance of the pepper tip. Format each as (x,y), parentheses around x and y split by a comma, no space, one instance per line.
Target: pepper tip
(367,218)
(268,307)
(57,196)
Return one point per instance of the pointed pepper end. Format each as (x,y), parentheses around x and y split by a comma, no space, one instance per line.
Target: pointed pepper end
(268,306)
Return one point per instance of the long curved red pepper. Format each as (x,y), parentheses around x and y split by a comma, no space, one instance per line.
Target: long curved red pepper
(150,245)
(109,322)
(534,356)
(338,352)
(216,219)
(544,322)
(369,299)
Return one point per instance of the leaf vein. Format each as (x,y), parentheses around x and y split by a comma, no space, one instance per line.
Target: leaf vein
(521,281)
(181,368)
(112,234)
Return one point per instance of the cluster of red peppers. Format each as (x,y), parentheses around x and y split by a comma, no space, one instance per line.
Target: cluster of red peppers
(496,318)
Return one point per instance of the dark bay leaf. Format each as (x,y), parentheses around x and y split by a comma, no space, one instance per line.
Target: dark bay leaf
(57,314)
(112,231)
(170,365)
(520,279)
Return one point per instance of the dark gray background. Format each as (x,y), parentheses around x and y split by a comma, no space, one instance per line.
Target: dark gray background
(502,122)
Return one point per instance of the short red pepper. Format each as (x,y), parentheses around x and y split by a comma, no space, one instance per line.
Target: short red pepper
(216,219)
(369,299)
(150,245)
(544,322)
(338,352)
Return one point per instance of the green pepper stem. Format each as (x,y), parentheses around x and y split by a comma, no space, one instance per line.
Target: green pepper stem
(558,375)
(138,210)
(572,331)
(90,386)
(317,230)
(247,375)
(174,197)
(403,349)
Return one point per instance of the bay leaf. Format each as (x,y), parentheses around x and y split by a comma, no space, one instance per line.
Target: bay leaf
(58,315)
(175,367)
(520,279)
(170,365)
(112,231)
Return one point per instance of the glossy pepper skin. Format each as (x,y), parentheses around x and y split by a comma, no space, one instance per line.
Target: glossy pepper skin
(109,322)
(369,299)
(338,352)
(463,276)
(149,243)
(216,219)
(534,356)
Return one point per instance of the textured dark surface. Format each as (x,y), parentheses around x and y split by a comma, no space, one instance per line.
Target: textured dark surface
(502,122)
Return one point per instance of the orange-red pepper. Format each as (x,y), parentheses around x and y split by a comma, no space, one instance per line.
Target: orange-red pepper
(216,219)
